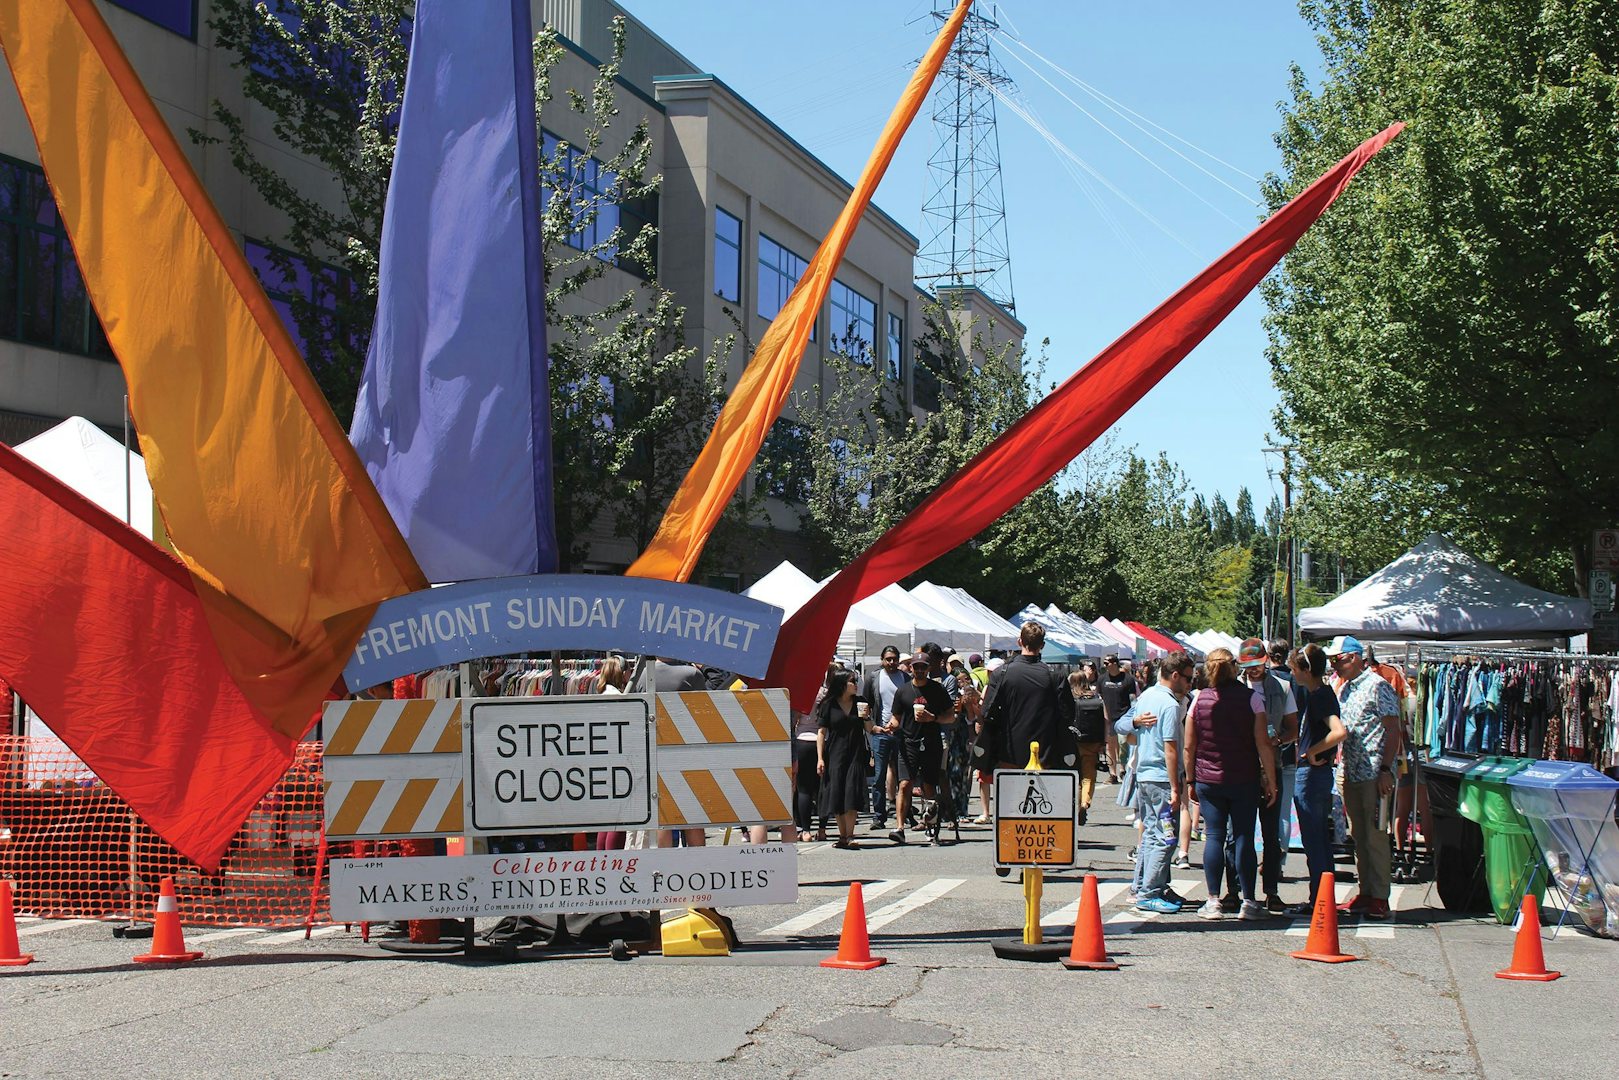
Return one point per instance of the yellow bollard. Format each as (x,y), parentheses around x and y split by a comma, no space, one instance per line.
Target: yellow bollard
(1034,878)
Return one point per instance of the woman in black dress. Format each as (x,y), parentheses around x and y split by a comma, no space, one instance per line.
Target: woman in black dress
(841,756)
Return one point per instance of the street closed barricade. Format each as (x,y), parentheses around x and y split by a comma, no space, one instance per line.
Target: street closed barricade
(569,882)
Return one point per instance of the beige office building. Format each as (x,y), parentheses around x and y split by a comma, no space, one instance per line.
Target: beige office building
(741,209)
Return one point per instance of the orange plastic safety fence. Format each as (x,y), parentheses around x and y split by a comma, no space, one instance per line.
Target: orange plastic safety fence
(75,850)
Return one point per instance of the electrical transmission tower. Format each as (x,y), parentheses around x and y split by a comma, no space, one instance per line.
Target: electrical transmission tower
(964,213)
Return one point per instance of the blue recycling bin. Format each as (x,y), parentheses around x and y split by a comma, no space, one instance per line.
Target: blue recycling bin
(1570,808)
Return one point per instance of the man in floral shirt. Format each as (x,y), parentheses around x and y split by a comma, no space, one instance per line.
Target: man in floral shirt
(1371,716)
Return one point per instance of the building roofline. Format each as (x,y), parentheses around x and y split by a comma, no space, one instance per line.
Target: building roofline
(837,177)
(988,300)
(579,51)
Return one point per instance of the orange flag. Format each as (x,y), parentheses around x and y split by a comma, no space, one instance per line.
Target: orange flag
(759,395)
(261,493)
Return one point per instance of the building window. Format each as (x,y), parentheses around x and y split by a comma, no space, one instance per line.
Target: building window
(784,463)
(592,190)
(727,256)
(304,61)
(43,300)
(779,270)
(854,323)
(925,384)
(896,348)
(179,16)
(288,278)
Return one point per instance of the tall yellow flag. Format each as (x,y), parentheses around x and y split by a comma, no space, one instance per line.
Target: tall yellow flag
(262,495)
(759,395)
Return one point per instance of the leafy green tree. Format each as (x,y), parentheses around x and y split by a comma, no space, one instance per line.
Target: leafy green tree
(628,409)
(1219,605)
(1444,340)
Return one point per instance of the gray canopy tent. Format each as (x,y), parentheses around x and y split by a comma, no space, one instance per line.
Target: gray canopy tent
(1438,592)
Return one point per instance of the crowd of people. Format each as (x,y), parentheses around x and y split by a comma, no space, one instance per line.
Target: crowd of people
(1228,751)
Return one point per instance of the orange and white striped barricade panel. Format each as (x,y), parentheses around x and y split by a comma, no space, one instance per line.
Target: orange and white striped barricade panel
(724,758)
(393,769)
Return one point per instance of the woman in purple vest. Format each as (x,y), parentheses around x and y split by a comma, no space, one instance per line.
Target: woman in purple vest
(1228,756)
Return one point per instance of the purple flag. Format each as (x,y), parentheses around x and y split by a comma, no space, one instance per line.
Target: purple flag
(453,419)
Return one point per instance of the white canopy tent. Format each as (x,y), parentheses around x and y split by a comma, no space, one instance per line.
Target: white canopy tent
(925,621)
(1061,637)
(786,587)
(91,462)
(1096,643)
(867,629)
(993,632)
(1438,592)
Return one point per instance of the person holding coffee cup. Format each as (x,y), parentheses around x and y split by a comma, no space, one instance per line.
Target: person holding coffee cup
(919,708)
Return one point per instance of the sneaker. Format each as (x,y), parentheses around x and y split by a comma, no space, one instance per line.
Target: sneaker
(1159,905)
(898,836)
(1377,910)
(1230,904)
(1174,897)
(1298,910)
(1274,905)
(1131,896)
(1083,814)
(879,825)
(1210,910)
(1197,834)
(1252,910)
(1181,862)
(1130,818)
(1112,779)
(1132,854)
(1355,905)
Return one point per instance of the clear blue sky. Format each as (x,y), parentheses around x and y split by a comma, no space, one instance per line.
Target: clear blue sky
(1086,264)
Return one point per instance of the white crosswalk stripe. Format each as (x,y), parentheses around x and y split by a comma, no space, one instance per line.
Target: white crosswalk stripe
(294,936)
(826,912)
(925,895)
(221,935)
(1106,893)
(52,926)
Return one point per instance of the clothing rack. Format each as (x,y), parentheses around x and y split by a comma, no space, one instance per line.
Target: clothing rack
(1545,703)
(1462,649)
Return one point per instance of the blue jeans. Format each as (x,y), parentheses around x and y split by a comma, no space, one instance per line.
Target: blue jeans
(884,749)
(1286,781)
(1229,809)
(1314,799)
(1152,860)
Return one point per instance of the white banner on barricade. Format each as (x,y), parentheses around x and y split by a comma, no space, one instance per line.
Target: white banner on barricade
(383,889)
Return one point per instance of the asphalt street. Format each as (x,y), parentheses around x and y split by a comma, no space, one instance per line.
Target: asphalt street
(1191,997)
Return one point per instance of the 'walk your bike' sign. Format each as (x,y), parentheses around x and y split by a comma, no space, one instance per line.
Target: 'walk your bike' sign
(1036,813)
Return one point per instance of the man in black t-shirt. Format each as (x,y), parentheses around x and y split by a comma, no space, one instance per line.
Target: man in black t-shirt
(1118,689)
(918,708)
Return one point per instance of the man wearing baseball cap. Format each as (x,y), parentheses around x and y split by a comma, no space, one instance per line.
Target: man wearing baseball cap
(1371,717)
(1282,724)
(919,708)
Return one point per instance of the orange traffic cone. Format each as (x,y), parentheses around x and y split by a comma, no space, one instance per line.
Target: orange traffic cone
(10,955)
(1322,944)
(168,940)
(1528,961)
(854,947)
(1089,950)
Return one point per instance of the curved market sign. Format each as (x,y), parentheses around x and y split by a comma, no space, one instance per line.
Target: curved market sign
(542,612)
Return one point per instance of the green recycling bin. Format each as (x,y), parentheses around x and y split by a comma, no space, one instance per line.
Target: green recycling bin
(1512,866)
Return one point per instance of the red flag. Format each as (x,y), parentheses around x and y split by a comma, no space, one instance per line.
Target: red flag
(1052,433)
(106,640)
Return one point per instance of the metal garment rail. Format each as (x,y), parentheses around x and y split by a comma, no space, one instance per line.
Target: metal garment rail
(1444,653)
